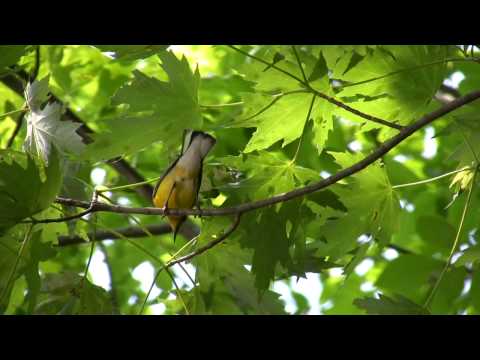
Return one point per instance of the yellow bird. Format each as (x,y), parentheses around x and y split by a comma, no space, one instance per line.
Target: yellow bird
(179,186)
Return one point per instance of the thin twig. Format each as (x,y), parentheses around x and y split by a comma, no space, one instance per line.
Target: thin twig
(431,179)
(455,243)
(18,126)
(90,208)
(10,113)
(355,111)
(216,106)
(177,289)
(126,232)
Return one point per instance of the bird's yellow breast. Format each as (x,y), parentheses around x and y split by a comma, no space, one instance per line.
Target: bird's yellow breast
(180,196)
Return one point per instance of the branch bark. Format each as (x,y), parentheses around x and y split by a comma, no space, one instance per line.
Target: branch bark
(130,232)
(375,155)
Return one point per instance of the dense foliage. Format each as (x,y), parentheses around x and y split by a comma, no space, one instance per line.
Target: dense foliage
(78,118)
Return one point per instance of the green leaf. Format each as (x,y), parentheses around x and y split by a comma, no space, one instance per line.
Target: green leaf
(471,255)
(407,92)
(227,262)
(409,275)
(284,118)
(24,190)
(267,236)
(67,293)
(33,253)
(372,208)
(10,55)
(132,52)
(9,247)
(17,297)
(84,78)
(466,154)
(320,70)
(165,109)
(267,174)
(272,80)
(398,305)
(360,254)
(436,231)
(474,293)
(38,252)
(449,292)
(282,121)
(301,302)
(341,294)
(472,80)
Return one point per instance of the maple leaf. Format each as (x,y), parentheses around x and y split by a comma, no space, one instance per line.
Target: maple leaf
(44,127)
(36,93)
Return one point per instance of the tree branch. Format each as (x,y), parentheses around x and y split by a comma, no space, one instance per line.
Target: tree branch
(129,232)
(375,155)
(18,126)
(208,246)
(355,111)
(320,94)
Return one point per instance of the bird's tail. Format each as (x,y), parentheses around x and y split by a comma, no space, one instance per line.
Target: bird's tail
(175,223)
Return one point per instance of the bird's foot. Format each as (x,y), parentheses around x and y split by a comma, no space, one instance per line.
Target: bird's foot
(165,210)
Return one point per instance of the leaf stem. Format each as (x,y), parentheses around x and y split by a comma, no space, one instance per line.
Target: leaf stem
(276,97)
(304,127)
(141,248)
(299,64)
(12,113)
(455,243)
(265,62)
(406,70)
(129,186)
(431,179)
(238,103)
(469,145)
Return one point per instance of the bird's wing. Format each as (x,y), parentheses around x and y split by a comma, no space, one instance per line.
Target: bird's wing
(172,165)
(199,182)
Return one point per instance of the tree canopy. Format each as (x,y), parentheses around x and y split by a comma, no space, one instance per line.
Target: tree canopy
(348,168)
